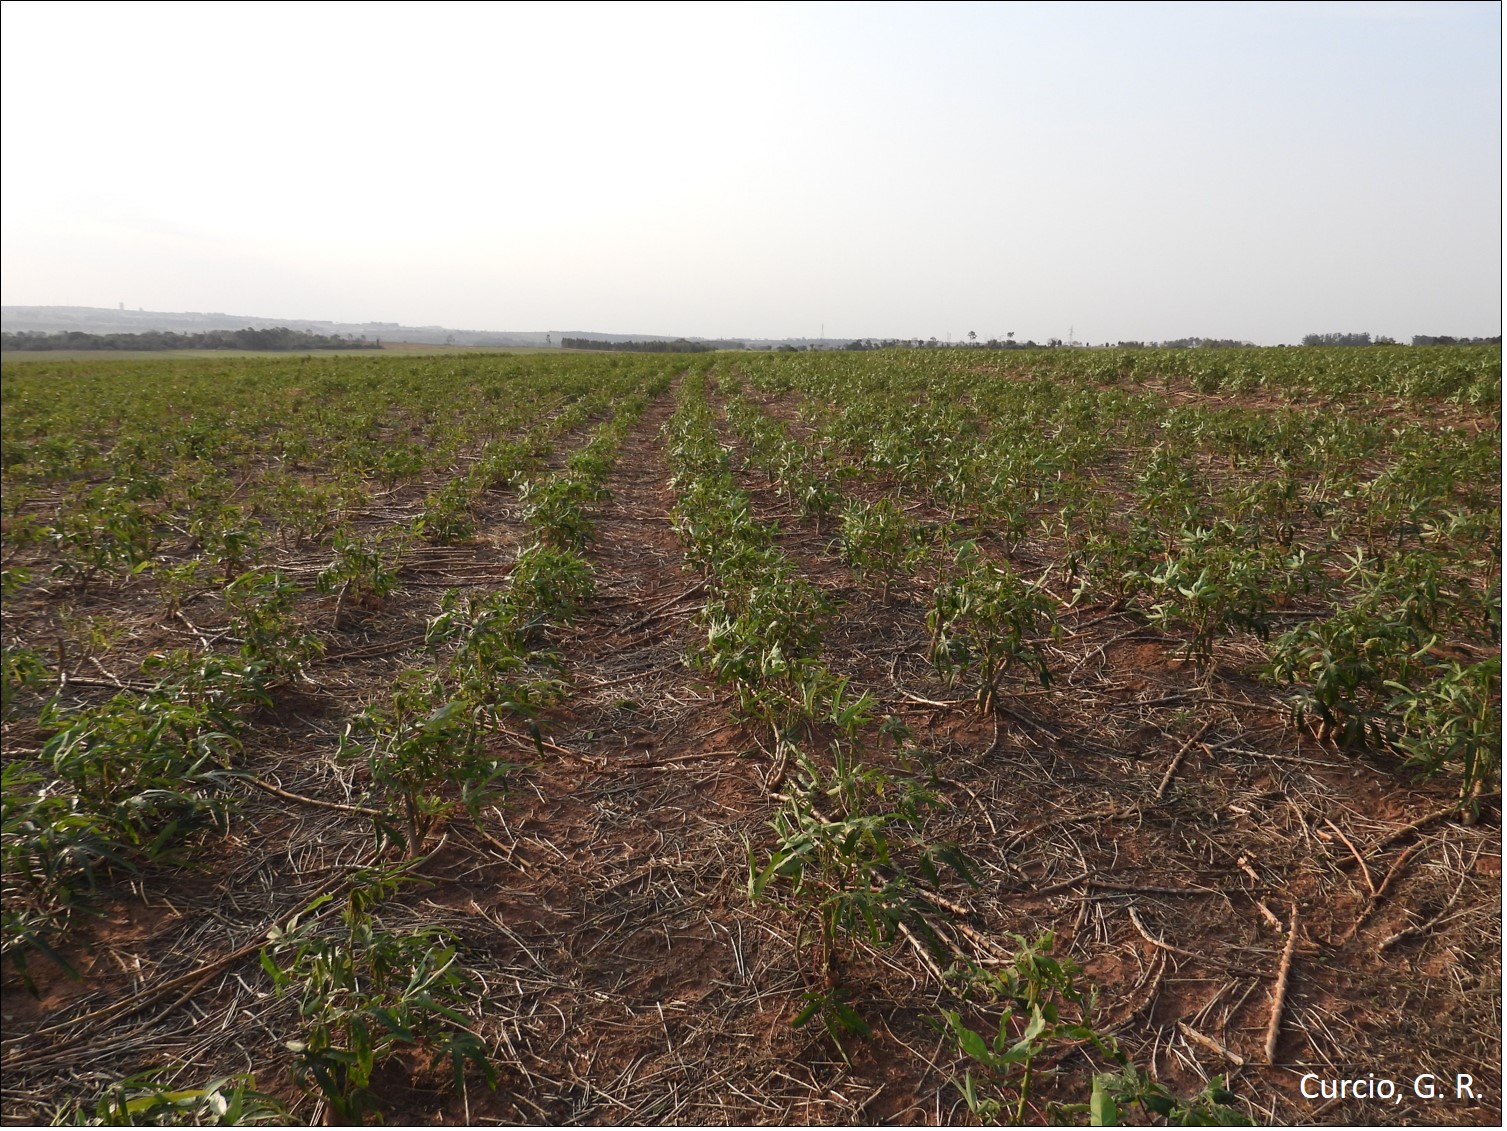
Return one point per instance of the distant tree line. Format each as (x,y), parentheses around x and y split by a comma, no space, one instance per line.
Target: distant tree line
(276,338)
(679,345)
(973,342)
(1187,344)
(1350,339)
(1009,343)
(1353,339)
(1446,340)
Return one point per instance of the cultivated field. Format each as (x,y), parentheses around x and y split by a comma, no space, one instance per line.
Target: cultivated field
(921,737)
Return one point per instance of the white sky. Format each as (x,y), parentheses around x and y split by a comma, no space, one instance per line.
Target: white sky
(1128,170)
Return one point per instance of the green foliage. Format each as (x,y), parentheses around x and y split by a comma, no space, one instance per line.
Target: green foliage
(224,535)
(367,993)
(12,581)
(1349,507)
(261,608)
(850,848)
(51,842)
(490,663)
(400,463)
(877,540)
(449,514)
(22,671)
(268,338)
(763,621)
(299,513)
(556,507)
(830,1005)
(143,1100)
(1103,553)
(123,783)
(1220,580)
(812,494)
(221,686)
(1043,1012)
(178,583)
(101,531)
(1455,721)
(1132,1097)
(361,570)
(158,764)
(985,618)
(548,587)
(1169,487)
(1342,667)
(1372,673)
(421,742)
(764,641)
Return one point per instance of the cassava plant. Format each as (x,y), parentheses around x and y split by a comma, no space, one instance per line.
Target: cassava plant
(878,541)
(984,618)
(1039,1008)
(367,992)
(850,847)
(423,741)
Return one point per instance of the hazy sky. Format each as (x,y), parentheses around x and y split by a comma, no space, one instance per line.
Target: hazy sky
(1254,171)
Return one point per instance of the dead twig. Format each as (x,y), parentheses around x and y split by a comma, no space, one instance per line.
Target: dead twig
(655,611)
(193,979)
(1376,898)
(675,760)
(1211,1044)
(192,627)
(1147,889)
(1107,813)
(1269,916)
(1279,992)
(1062,885)
(1177,759)
(66,680)
(1413,826)
(1364,871)
(1422,928)
(334,806)
(1140,927)
(925,955)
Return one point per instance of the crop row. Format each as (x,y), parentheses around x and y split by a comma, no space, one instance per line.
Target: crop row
(134,781)
(1362,556)
(852,854)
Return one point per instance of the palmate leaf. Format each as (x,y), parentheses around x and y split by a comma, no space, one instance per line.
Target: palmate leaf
(786,863)
(839,1018)
(949,854)
(848,1019)
(427,1002)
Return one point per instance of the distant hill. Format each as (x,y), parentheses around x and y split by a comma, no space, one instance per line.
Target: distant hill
(104,320)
